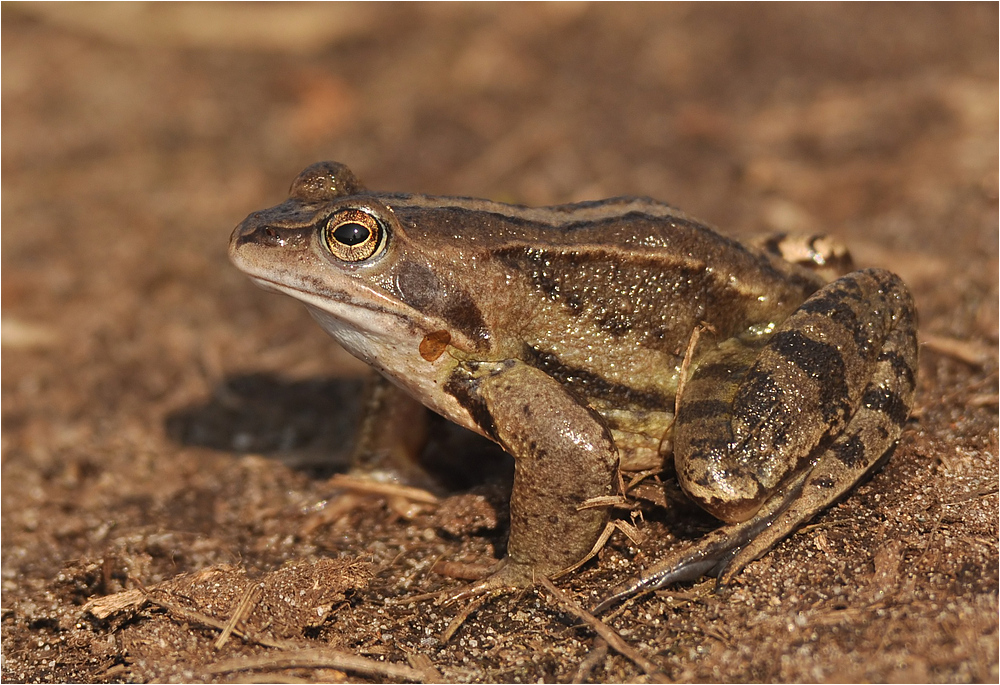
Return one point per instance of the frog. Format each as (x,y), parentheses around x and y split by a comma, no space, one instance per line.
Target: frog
(601,337)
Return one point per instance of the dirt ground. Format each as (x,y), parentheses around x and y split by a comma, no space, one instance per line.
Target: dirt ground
(170,431)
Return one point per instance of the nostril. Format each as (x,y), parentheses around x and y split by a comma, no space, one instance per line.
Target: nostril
(258,231)
(272,237)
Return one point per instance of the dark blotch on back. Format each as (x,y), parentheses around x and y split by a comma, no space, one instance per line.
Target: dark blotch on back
(824,364)
(588,384)
(657,297)
(887,402)
(900,366)
(850,451)
(703,409)
(615,323)
(722,371)
(838,305)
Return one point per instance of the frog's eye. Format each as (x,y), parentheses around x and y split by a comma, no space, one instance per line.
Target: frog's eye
(353,235)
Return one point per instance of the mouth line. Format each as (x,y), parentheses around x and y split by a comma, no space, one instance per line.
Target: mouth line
(312,299)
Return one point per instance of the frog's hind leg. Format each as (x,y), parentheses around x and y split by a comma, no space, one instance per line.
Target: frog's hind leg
(860,451)
(767,445)
(844,360)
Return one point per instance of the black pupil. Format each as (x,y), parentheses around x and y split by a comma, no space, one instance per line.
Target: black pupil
(351,233)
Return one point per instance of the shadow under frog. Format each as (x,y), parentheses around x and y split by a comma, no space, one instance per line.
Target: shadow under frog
(311,425)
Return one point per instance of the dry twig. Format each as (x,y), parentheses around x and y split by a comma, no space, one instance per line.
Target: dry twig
(102,607)
(682,377)
(293,654)
(320,657)
(604,631)
(590,662)
(461,570)
(971,353)
(246,606)
(197,617)
(346,482)
(602,539)
(457,622)
(421,662)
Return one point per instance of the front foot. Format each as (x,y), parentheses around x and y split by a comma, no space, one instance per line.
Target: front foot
(508,577)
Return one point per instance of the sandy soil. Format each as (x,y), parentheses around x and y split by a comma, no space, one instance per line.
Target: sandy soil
(169,431)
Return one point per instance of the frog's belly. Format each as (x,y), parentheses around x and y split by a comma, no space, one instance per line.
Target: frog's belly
(644,439)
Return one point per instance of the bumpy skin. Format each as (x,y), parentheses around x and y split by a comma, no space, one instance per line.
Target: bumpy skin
(561,332)
(827,396)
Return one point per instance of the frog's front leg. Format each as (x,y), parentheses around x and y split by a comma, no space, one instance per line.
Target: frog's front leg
(392,455)
(767,438)
(563,455)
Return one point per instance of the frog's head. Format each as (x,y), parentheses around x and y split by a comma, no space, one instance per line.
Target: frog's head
(385,291)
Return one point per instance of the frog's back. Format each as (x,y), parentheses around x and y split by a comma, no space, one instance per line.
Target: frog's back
(603,295)
(621,265)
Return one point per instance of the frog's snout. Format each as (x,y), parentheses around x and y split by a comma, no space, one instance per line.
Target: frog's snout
(253,231)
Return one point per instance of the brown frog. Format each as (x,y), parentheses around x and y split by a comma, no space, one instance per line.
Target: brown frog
(566,334)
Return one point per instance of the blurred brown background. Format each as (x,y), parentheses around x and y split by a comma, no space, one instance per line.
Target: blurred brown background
(161,415)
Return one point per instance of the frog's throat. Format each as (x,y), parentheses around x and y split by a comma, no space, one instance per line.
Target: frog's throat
(369,328)
(368,336)
(397,358)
